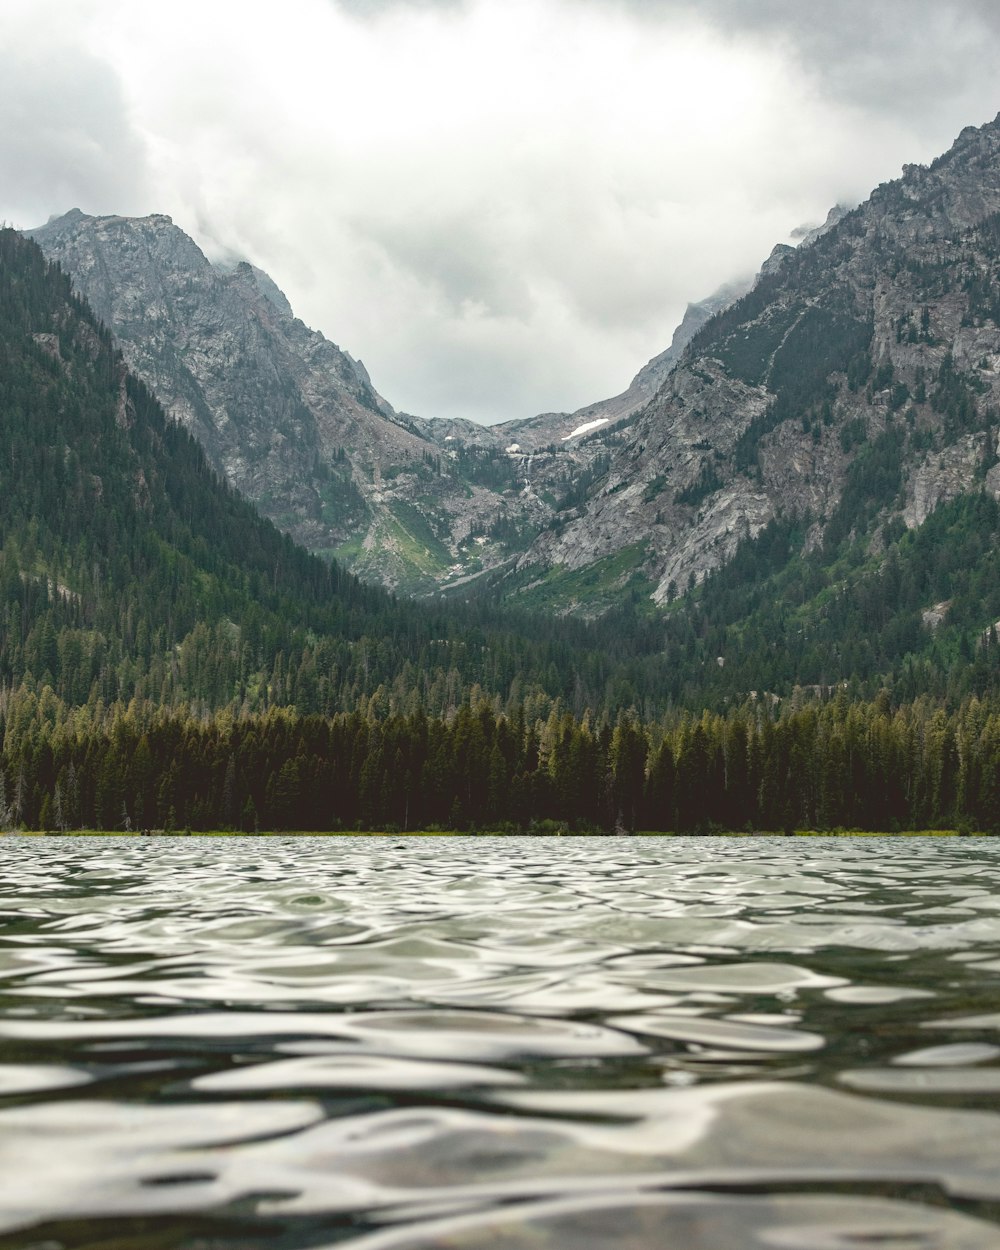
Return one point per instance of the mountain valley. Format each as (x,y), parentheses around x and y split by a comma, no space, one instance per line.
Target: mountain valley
(294,424)
(760,407)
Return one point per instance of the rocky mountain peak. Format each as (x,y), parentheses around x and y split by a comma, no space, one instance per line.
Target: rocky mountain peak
(261,283)
(286,416)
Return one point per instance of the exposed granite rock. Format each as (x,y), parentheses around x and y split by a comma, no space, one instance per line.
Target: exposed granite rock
(227,359)
(943,476)
(936,615)
(776,261)
(294,422)
(806,235)
(652,375)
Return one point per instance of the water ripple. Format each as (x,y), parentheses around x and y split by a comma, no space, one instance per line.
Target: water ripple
(403,1044)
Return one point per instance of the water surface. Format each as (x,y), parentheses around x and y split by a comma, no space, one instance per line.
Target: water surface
(391,1044)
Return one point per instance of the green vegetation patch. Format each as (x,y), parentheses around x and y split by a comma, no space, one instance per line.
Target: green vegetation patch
(419,546)
(706,483)
(596,585)
(655,488)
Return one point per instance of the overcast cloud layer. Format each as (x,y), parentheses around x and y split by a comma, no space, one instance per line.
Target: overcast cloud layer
(501,206)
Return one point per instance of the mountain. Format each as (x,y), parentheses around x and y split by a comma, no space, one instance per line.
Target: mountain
(284,415)
(168,658)
(545,432)
(852,388)
(856,387)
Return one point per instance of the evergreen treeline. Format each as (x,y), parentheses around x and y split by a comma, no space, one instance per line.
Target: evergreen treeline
(819,765)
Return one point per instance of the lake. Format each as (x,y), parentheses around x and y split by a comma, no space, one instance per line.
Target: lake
(399,1044)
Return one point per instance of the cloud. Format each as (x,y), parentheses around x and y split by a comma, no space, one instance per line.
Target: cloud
(476,196)
(893,56)
(65,136)
(375,9)
(502,206)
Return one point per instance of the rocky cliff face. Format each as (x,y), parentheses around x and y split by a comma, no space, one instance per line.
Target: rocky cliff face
(858,381)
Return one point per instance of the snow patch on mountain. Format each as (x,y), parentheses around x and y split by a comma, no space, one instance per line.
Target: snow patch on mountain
(585,428)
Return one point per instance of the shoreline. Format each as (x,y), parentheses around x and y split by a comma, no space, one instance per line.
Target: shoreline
(490,833)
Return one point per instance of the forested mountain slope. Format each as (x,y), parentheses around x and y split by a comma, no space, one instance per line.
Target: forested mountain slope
(128,570)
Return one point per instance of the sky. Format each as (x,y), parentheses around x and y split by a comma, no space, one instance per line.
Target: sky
(501,206)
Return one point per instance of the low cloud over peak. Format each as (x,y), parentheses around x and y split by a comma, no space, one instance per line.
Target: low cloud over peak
(503,206)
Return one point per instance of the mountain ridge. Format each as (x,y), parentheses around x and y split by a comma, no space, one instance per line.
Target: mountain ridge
(131,571)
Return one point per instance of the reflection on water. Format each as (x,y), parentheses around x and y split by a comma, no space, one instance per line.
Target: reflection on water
(409,1044)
